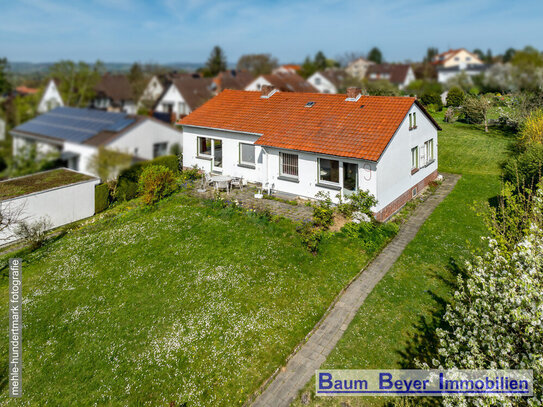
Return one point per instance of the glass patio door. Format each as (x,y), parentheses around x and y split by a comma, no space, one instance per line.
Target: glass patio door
(350,178)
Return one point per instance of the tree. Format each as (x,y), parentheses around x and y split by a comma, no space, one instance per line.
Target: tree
(430,54)
(77,81)
(475,109)
(532,128)
(375,55)
(137,80)
(308,68)
(107,163)
(216,62)
(430,98)
(508,55)
(479,54)
(257,64)
(320,61)
(494,320)
(455,97)
(488,57)
(5,84)
(10,217)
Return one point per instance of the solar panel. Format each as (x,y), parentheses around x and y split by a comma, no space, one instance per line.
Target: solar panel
(74,124)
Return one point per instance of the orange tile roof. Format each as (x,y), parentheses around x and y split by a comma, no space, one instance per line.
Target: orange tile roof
(333,126)
(26,90)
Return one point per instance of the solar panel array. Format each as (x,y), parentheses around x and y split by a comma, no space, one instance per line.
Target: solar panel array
(74,124)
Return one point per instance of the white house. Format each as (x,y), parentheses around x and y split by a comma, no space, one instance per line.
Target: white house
(358,67)
(303,144)
(456,58)
(445,74)
(51,98)
(153,90)
(400,75)
(76,134)
(328,81)
(283,81)
(288,68)
(60,196)
(184,95)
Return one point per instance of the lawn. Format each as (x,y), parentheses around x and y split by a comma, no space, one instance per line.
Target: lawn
(183,303)
(385,332)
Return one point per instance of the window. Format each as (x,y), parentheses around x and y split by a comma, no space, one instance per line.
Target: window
(204,146)
(410,121)
(414,120)
(350,176)
(429,150)
(468,58)
(288,164)
(414,158)
(317,81)
(246,154)
(328,170)
(159,149)
(217,154)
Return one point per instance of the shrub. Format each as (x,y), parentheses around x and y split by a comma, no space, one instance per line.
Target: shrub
(532,128)
(175,149)
(33,233)
(455,97)
(432,98)
(451,115)
(372,234)
(310,235)
(168,161)
(525,168)
(155,183)
(190,174)
(101,198)
(322,211)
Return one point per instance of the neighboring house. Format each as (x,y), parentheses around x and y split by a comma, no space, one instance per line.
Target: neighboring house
(303,144)
(456,58)
(157,85)
(184,95)
(76,134)
(288,68)
(114,94)
(358,68)
(51,98)
(444,74)
(328,81)
(60,196)
(285,82)
(400,75)
(232,79)
(24,90)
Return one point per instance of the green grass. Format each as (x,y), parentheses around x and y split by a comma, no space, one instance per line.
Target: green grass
(183,303)
(401,308)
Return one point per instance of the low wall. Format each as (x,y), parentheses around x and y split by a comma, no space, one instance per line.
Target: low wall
(61,205)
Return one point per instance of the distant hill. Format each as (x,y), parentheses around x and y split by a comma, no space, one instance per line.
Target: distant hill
(27,68)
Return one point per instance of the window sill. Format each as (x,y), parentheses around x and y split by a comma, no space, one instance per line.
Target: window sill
(285,178)
(414,171)
(412,128)
(251,166)
(429,163)
(329,186)
(204,157)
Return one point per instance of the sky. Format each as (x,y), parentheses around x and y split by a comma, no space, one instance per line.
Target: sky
(164,31)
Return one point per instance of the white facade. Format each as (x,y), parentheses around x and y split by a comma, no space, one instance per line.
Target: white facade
(258,83)
(61,205)
(173,102)
(51,98)
(322,83)
(143,140)
(409,77)
(358,67)
(152,91)
(387,179)
(444,75)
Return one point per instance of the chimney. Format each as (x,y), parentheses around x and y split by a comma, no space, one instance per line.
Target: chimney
(267,91)
(353,93)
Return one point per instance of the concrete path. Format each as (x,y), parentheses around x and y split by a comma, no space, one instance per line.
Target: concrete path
(301,367)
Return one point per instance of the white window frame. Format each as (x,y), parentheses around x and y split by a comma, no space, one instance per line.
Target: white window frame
(251,164)
(429,150)
(199,153)
(410,121)
(415,154)
(414,120)
(281,163)
(323,181)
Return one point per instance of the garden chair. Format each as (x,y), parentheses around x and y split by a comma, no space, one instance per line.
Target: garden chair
(237,182)
(222,185)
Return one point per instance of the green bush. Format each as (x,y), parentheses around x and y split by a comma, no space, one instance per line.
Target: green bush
(175,149)
(472,111)
(101,198)
(525,168)
(371,233)
(323,213)
(310,236)
(432,98)
(455,97)
(127,185)
(155,183)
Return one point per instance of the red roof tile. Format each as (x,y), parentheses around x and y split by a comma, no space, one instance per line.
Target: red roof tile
(333,126)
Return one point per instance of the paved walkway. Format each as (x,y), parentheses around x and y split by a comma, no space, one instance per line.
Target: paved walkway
(301,367)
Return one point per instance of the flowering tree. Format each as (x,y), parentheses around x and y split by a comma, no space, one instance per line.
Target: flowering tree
(496,318)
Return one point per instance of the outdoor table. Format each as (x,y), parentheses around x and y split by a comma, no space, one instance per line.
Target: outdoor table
(221,179)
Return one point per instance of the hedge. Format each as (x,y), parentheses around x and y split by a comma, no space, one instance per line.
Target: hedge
(127,185)
(101,198)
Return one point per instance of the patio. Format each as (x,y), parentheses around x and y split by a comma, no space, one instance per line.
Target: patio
(280,204)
